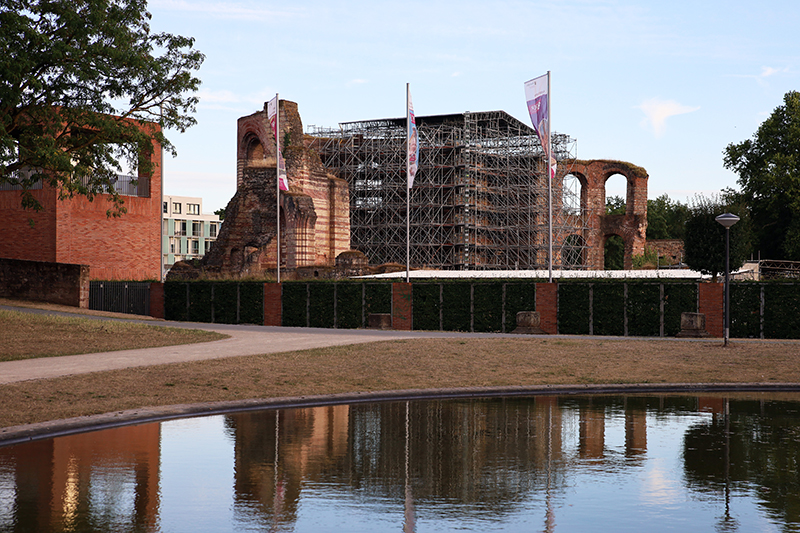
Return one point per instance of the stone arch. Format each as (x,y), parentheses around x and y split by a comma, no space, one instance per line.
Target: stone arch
(631,226)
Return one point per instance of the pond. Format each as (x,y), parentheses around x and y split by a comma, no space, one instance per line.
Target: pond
(553,464)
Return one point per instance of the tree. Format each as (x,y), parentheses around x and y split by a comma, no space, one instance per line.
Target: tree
(666,219)
(769,175)
(704,244)
(220,213)
(77,81)
(615,205)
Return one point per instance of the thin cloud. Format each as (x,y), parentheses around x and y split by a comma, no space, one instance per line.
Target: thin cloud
(357,81)
(657,111)
(766,72)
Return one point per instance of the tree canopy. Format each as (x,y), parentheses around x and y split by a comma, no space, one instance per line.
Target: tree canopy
(768,166)
(704,244)
(77,80)
(666,218)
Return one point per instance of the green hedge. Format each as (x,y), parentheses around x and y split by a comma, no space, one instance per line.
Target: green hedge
(426,304)
(520,296)
(643,309)
(221,302)
(487,306)
(745,309)
(294,301)
(608,303)
(574,308)
(349,305)
(781,311)
(678,298)
(456,306)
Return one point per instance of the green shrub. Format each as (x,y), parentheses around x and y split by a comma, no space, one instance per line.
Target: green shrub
(426,306)
(487,304)
(608,304)
(573,308)
(520,296)
(745,309)
(294,300)
(678,298)
(349,308)
(644,309)
(456,304)
(321,305)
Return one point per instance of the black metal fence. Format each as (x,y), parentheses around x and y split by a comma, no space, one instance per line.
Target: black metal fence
(131,297)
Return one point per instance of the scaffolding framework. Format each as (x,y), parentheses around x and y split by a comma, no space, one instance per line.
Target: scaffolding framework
(479,200)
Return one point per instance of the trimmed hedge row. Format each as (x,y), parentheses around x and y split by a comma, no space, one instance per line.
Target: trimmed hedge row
(641,309)
(768,310)
(222,302)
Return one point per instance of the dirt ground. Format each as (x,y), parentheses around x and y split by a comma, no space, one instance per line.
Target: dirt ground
(404,364)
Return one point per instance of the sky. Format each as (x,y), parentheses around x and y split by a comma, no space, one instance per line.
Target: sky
(663,85)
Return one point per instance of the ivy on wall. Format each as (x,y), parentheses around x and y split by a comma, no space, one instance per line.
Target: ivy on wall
(574,308)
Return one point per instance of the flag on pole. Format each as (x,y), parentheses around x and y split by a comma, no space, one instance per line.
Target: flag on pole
(536,94)
(412,144)
(272,116)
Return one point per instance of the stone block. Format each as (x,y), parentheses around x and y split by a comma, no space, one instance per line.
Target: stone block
(529,322)
(379,321)
(693,325)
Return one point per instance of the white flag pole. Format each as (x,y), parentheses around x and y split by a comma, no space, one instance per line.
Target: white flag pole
(278,181)
(549,181)
(408,187)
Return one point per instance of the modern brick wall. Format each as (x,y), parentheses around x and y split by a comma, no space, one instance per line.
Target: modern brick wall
(273,306)
(401,306)
(547,306)
(78,231)
(710,303)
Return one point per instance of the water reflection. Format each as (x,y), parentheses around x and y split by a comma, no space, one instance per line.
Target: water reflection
(532,464)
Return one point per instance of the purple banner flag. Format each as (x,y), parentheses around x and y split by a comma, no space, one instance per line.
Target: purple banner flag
(413,144)
(536,94)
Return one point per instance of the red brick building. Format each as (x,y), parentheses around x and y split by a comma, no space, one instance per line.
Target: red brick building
(78,231)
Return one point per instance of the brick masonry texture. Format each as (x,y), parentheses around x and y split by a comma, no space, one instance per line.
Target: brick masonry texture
(315,212)
(547,306)
(78,231)
(710,303)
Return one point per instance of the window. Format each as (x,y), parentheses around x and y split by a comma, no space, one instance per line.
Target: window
(165,207)
(192,209)
(195,247)
(180,227)
(197,229)
(172,246)
(212,230)
(176,208)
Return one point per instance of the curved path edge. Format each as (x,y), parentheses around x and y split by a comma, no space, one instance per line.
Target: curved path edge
(70,426)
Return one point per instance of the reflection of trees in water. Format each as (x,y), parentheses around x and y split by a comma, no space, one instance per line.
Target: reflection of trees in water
(763,449)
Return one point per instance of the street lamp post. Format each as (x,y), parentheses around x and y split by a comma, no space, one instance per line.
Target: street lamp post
(727,220)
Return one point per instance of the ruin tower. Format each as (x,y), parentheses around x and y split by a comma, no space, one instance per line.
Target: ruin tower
(315,215)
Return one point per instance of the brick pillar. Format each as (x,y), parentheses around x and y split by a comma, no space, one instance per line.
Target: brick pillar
(273,304)
(712,297)
(402,308)
(157,300)
(547,306)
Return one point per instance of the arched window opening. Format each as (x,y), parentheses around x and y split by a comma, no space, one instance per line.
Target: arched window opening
(572,192)
(616,193)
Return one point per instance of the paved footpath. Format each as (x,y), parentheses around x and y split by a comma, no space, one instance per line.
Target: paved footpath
(244,340)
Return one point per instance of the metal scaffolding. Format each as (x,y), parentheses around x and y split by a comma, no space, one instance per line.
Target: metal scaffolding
(479,200)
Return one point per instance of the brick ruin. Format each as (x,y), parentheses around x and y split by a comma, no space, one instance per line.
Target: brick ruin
(631,226)
(315,214)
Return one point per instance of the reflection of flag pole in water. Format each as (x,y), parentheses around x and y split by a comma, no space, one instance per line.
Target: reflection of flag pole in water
(550,516)
(280,490)
(409,522)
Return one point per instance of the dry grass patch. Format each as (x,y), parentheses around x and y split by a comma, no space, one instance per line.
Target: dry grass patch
(26,335)
(407,364)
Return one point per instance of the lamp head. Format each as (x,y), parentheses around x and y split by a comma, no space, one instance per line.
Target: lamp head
(727,219)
